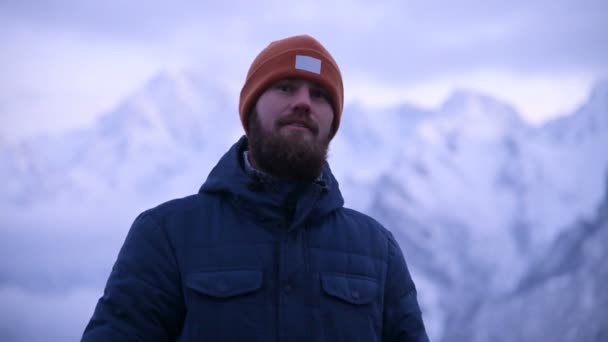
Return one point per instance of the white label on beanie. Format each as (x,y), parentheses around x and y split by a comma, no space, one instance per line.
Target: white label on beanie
(308,63)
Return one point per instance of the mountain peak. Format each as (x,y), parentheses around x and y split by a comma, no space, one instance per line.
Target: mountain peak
(479,116)
(462,100)
(172,107)
(589,120)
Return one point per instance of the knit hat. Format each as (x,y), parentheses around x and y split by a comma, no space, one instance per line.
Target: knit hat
(297,57)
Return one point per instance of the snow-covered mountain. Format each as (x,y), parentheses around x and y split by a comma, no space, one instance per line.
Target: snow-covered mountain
(480,202)
(176,122)
(478,195)
(565,290)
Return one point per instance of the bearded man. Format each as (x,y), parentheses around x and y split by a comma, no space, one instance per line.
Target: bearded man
(265,251)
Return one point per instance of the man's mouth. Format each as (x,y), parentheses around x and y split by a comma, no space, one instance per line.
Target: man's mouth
(300,125)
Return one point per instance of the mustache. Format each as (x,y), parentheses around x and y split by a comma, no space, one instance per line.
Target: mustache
(300,119)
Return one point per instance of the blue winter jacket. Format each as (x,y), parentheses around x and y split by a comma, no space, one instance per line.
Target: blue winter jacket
(252,259)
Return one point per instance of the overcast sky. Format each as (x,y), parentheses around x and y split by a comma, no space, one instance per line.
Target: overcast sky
(65,62)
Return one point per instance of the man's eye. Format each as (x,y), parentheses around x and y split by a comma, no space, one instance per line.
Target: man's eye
(319,93)
(284,87)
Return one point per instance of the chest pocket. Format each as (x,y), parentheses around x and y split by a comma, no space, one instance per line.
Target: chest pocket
(225,284)
(350,308)
(351,289)
(225,305)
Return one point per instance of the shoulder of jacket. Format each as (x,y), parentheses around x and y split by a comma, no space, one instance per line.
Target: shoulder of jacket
(361,219)
(177,207)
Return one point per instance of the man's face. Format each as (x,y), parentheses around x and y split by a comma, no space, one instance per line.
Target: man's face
(289,129)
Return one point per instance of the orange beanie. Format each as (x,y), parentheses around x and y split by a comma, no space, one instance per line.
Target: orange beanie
(298,57)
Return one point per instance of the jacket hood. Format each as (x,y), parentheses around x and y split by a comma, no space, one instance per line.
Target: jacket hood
(294,201)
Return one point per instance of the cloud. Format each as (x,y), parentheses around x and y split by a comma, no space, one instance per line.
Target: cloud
(34,317)
(419,38)
(414,42)
(67,61)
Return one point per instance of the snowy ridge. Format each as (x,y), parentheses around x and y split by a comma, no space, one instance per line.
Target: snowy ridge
(478,117)
(176,115)
(565,289)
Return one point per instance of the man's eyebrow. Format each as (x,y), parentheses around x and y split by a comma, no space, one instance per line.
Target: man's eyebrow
(317,85)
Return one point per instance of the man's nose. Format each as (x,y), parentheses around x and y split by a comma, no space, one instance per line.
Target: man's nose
(301,100)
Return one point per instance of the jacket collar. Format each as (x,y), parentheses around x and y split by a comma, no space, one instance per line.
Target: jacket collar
(292,201)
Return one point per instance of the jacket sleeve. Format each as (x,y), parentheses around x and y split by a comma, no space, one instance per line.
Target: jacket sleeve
(402,317)
(142,300)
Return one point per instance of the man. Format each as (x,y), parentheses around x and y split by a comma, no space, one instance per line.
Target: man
(265,251)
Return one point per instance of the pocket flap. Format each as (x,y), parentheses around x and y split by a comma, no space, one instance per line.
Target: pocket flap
(350,288)
(223,284)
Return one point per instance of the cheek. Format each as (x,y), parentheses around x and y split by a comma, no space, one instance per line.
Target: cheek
(326,119)
(264,121)
(266,113)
